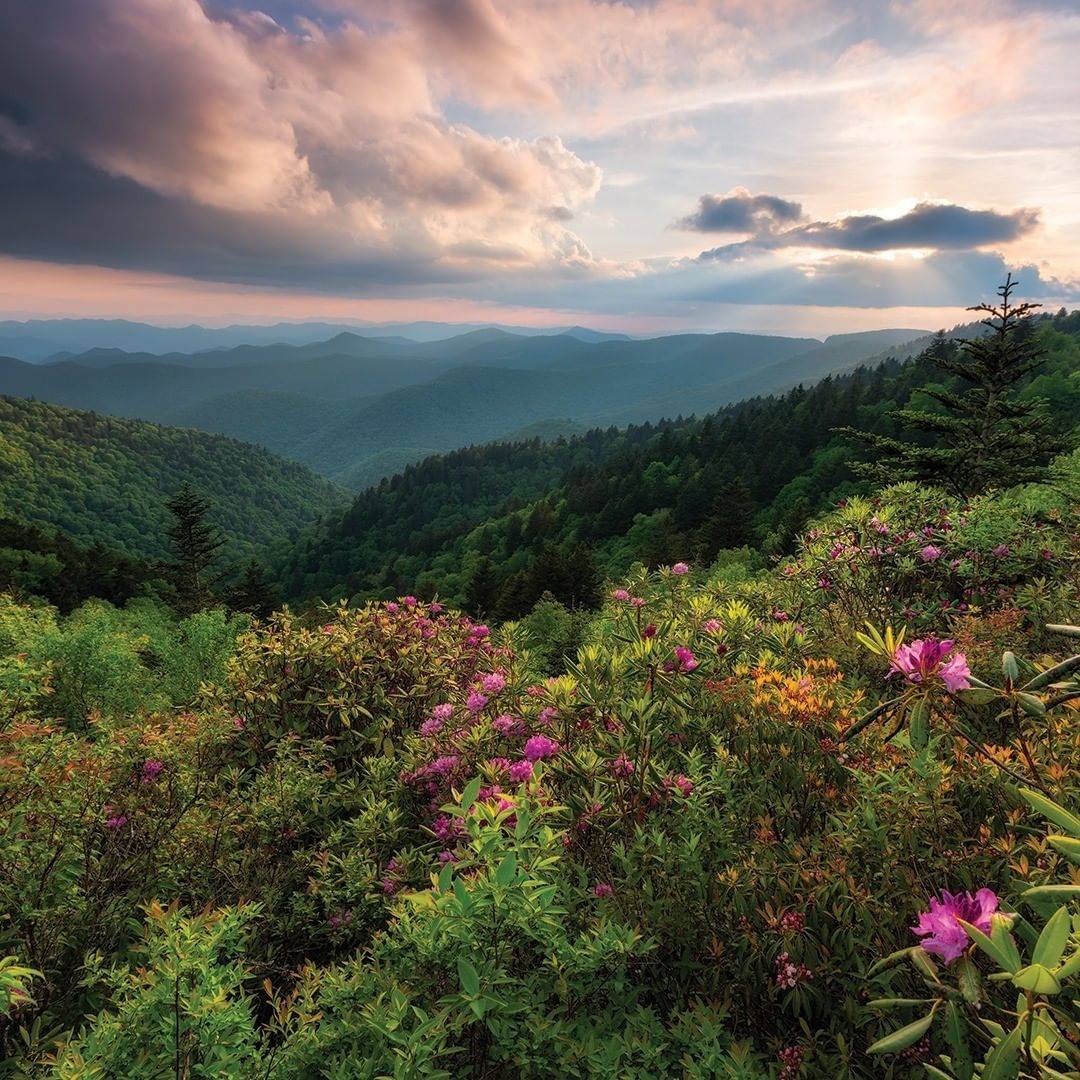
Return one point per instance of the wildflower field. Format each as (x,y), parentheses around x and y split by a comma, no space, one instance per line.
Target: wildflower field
(807,821)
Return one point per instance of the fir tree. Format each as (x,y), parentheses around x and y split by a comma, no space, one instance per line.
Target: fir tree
(482,591)
(731,524)
(253,592)
(196,544)
(984,436)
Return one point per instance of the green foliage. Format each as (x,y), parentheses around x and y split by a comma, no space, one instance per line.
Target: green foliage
(103,480)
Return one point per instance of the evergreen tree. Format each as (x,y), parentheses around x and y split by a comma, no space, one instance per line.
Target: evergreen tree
(254,593)
(196,544)
(983,437)
(731,523)
(482,591)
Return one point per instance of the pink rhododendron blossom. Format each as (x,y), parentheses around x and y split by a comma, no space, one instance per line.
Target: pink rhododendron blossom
(409,601)
(391,607)
(547,715)
(494,683)
(328,628)
(680,568)
(684,660)
(789,973)
(520,771)
(435,607)
(622,766)
(941,933)
(540,746)
(475,702)
(1001,551)
(637,601)
(930,553)
(150,769)
(431,726)
(926,657)
(712,626)
(504,724)
(649,631)
(602,889)
(620,594)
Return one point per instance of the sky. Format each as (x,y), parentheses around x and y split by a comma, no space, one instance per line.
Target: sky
(649,165)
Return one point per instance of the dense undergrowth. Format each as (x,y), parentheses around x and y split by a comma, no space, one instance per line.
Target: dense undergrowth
(672,838)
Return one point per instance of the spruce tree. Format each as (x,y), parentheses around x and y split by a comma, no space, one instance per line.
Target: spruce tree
(196,544)
(984,437)
(253,592)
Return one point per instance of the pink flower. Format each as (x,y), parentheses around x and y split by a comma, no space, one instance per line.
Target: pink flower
(546,715)
(328,628)
(494,683)
(540,746)
(942,934)
(1001,551)
(684,660)
(680,568)
(620,594)
(150,769)
(520,771)
(504,724)
(116,821)
(789,973)
(712,626)
(409,601)
(238,723)
(602,889)
(431,726)
(781,616)
(930,553)
(637,601)
(391,607)
(649,631)
(924,658)
(443,712)
(622,766)
(475,701)
(435,607)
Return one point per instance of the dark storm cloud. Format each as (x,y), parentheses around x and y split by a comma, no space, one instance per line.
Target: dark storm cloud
(937,226)
(740,211)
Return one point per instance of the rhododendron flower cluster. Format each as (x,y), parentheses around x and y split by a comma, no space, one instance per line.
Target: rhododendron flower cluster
(622,766)
(520,771)
(602,889)
(939,929)
(927,657)
(540,746)
(684,660)
(150,770)
(493,684)
(789,973)
(680,568)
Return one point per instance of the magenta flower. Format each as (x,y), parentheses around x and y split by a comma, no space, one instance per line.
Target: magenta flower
(1001,551)
(942,934)
(116,822)
(622,766)
(930,553)
(789,973)
(926,657)
(684,660)
(431,726)
(443,712)
(540,746)
(602,889)
(680,568)
(475,701)
(409,601)
(520,771)
(435,607)
(621,595)
(150,769)
(328,628)
(649,631)
(504,724)
(712,626)
(391,607)
(637,601)
(494,683)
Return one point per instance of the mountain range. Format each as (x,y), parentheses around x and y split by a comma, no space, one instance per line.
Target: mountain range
(357,408)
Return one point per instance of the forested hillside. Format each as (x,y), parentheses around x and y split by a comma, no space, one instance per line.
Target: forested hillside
(103,479)
(497,526)
(358,409)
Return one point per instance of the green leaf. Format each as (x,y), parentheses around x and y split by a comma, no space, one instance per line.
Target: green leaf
(507,870)
(896,1003)
(1051,811)
(1053,939)
(1031,704)
(919,725)
(1037,979)
(903,1037)
(963,1064)
(1009,666)
(1054,673)
(472,789)
(994,949)
(1069,846)
(969,980)
(977,695)
(1003,1061)
(1051,892)
(470,980)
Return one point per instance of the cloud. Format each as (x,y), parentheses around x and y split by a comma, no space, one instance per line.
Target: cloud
(739,211)
(933,226)
(323,142)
